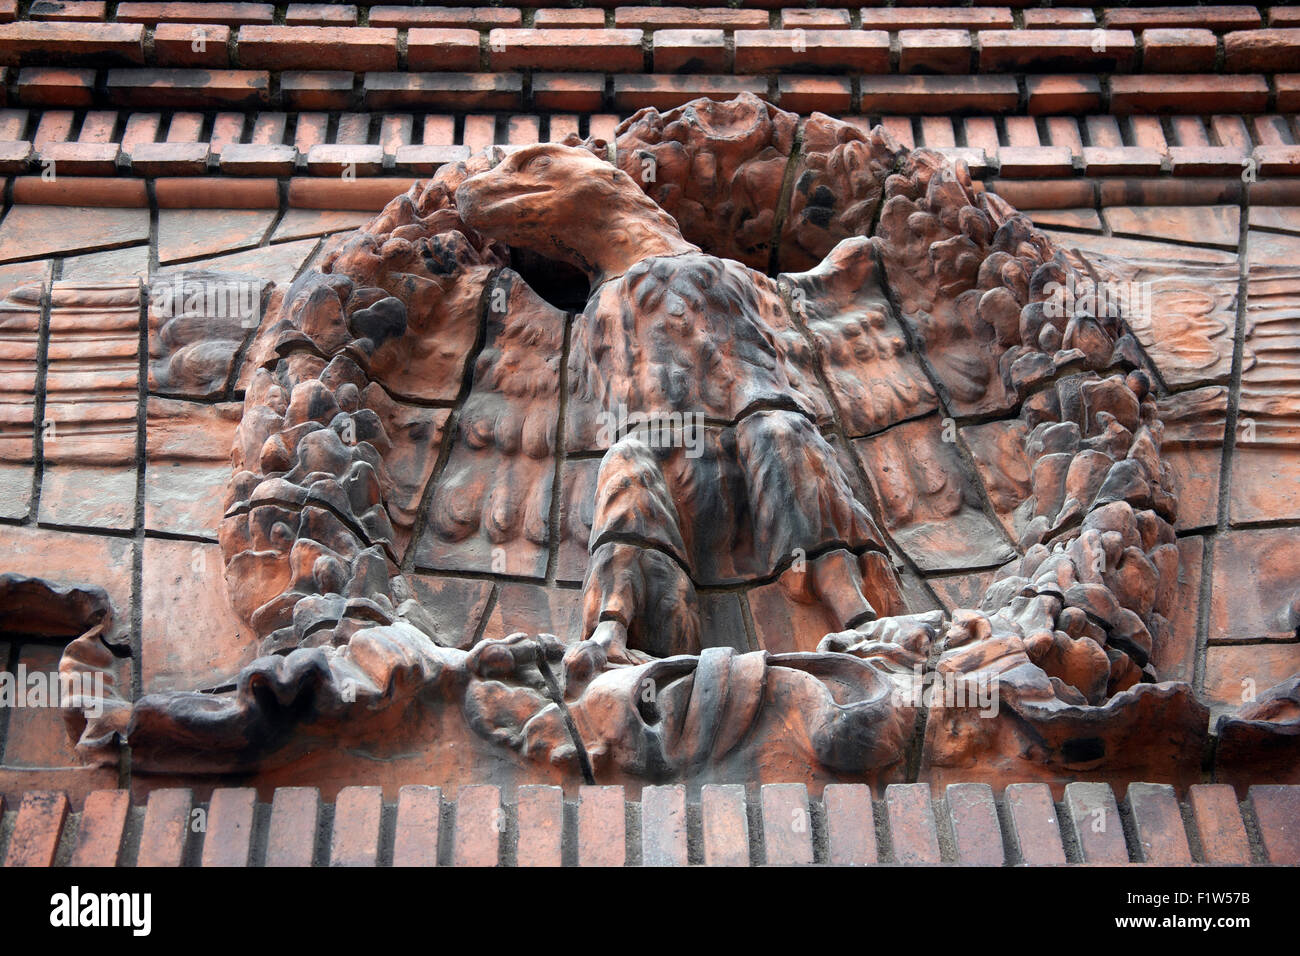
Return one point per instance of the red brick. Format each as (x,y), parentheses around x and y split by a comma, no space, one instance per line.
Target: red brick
(480,132)
(188,89)
(907,95)
(1177,94)
(570,92)
(850,825)
(1033,823)
(690,51)
(1261,51)
(415,841)
(320,15)
(170,159)
(479,823)
(230,14)
(331,193)
(959,18)
(15,156)
(602,828)
(1206,160)
(252,159)
(1132,191)
(302,48)
(8,10)
(803,94)
(523,130)
(1035,162)
(439,49)
(166,828)
(80,191)
(934,51)
(1218,824)
(316,90)
(444,91)
(105,42)
(1047,50)
(911,823)
(86,11)
(684,18)
(1288,92)
(725,825)
(1158,825)
(1178,51)
(358,814)
(663,826)
(99,835)
(540,819)
(1277,811)
(174,44)
(1097,824)
(1284,16)
(56,86)
(1209,18)
(973,815)
(1120,161)
(37,828)
(582,18)
(291,837)
(666,92)
(812,51)
(228,840)
(400,17)
(81,159)
(1058,19)
(1058,94)
(787,824)
(609,51)
(815,19)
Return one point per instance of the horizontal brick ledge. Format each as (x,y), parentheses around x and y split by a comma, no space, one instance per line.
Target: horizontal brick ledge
(781,824)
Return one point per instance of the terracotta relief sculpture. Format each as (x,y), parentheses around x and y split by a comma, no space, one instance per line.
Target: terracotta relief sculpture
(708,432)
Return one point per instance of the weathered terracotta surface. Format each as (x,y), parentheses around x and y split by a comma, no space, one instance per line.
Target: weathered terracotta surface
(682,531)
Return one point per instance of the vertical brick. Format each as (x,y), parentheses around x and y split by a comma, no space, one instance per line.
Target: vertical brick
(480,131)
(663,826)
(1096,822)
(1032,815)
(477,840)
(166,828)
(911,823)
(523,130)
(37,829)
(229,838)
(419,812)
(540,815)
(103,821)
(725,825)
(295,813)
(1218,824)
(1277,808)
(439,131)
(787,824)
(974,818)
(358,812)
(602,827)
(850,824)
(141,128)
(562,125)
(1158,825)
